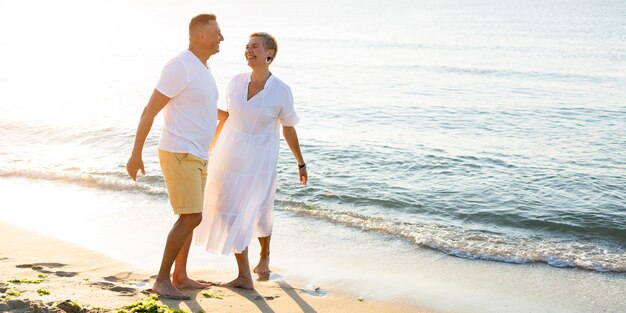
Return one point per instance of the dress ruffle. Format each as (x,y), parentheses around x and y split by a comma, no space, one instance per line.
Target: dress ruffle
(239,193)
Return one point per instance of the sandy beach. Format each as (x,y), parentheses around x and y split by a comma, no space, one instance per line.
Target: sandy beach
(462,156)
(101,284)
(101,248)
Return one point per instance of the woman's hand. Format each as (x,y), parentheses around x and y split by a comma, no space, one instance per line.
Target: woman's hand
(304,176)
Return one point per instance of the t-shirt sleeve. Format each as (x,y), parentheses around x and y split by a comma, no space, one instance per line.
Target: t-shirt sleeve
(173,79)
(288,116)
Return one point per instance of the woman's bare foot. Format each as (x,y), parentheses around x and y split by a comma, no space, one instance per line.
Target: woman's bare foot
(166,290)
(263,268)
(187,282)
(240,282)
(263,277)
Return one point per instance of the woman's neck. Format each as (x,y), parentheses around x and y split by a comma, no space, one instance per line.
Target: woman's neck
(260,75)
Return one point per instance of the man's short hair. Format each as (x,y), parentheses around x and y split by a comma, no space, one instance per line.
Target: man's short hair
(201,20)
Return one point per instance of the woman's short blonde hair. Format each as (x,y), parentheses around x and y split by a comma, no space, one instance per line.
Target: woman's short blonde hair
(269,42)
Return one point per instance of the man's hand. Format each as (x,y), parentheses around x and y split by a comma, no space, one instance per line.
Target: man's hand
(134,164)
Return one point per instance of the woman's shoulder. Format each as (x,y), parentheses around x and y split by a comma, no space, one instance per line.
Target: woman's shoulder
(237,80)
(278,84)
(240,76)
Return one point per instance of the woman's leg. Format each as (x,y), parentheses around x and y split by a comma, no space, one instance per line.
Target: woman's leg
(263,268)
(244,279)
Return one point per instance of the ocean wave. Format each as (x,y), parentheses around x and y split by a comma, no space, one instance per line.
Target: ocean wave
(470,244)
(101,181)
(452,240)
(109,138)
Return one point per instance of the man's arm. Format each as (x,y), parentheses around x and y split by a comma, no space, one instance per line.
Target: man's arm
(157,102)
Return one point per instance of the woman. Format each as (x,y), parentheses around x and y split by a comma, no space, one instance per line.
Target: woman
(241,178)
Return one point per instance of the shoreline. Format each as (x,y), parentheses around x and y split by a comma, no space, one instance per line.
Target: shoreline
(71,272)
(128,230)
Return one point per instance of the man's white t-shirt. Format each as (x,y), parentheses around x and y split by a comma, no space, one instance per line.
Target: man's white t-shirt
(191,115)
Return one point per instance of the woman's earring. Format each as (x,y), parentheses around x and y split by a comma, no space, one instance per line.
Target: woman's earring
(268,60)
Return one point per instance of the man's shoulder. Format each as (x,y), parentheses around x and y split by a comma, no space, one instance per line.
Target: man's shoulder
(179,62)
(187,59)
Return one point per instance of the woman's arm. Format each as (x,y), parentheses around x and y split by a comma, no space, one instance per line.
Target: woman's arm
(222,116)
(292,140)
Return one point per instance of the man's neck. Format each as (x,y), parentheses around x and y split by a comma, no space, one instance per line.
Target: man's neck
(202,56)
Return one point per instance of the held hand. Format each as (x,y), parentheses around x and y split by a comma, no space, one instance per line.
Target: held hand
(303,176)
(133,165)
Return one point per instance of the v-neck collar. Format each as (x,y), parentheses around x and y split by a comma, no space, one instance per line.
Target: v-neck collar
(267,84)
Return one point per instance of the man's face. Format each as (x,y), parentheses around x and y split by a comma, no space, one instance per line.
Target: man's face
(211,36)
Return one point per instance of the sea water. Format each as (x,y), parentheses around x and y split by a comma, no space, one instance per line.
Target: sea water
(486,130)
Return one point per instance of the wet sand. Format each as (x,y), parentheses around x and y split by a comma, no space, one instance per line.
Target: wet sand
(101,284)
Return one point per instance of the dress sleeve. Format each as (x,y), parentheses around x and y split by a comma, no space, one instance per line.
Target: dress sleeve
(287,115)
(173,79)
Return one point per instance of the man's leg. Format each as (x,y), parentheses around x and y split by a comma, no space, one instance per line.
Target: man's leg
(176,239)
(180,278)
(185,179)
(263,268)
(244,278)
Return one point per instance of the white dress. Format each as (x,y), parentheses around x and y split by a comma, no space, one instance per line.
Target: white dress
(241,177)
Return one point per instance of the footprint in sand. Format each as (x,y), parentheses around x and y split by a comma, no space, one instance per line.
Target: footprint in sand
(129,279)
(126,291)
(126,277)
(258,298)
(44,268)
(41,265)
(65,274)
(123,276)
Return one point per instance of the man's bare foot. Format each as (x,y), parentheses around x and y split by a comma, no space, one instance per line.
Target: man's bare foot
(240,282)
(189,283)
(166,290)
(263,268)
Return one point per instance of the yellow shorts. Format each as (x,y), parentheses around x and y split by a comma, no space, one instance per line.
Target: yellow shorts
(185,178)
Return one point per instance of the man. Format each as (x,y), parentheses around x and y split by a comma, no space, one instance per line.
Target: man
(187,94)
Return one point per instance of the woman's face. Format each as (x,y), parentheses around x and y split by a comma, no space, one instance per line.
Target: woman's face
(255,52)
